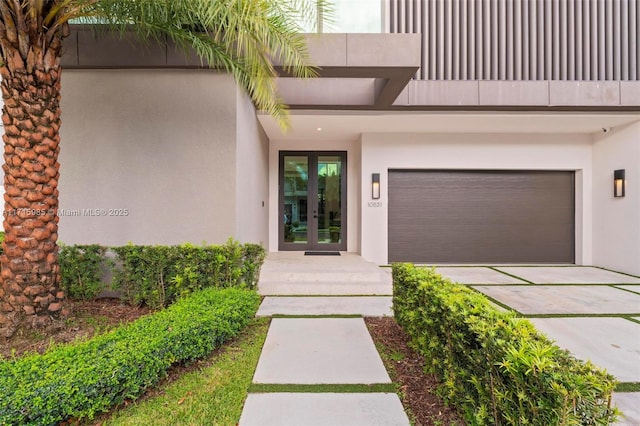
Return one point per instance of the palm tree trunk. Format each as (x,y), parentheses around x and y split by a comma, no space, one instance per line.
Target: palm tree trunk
(30,292)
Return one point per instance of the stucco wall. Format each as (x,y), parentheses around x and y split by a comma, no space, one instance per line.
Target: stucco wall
(158,143)
(252,166)
(616,229)
(381,152)
(352,147)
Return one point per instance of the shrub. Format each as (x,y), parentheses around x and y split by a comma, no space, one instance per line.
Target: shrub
(82,379)
(158,275)
(81,269)
(142,273)
(253,256)
(497,368)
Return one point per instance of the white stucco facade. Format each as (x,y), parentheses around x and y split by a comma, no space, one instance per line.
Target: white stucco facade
(616,229)
(381,152)
(173,156)
(607,229)
(252,175)
(159,157)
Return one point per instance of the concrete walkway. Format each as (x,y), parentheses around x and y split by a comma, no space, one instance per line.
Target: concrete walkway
(303,348)
(313,351)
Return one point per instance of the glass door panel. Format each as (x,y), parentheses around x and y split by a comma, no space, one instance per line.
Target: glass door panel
(296,192)
(312,201)
(329,199)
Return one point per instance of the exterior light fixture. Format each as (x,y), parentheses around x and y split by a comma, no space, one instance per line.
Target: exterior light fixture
(618,183)
(375,186)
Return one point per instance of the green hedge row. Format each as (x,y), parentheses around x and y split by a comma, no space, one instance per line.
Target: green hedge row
(82,379)
(158,275)
(81,270)
(497,368)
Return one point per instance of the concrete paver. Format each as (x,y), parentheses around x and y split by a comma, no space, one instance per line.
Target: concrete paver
(568,275)
(629,404)
(319,351)
(545,299)
(341,351)
(370,306)
(633,288)
(610,343)
(323,409)
(476,275)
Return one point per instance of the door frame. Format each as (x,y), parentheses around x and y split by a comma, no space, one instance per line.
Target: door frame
(312,188)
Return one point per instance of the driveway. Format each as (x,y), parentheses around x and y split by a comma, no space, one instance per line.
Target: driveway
(592,312)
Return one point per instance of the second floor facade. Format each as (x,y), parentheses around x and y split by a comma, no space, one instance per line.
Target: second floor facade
(451,54)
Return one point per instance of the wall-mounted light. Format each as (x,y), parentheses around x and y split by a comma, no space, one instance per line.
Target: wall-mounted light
(375,186)
(618,183)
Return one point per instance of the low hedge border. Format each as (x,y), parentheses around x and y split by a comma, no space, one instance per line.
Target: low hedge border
(496,368)
(82,379)
(158,275)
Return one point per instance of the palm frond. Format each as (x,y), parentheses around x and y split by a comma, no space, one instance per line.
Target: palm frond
(242,37)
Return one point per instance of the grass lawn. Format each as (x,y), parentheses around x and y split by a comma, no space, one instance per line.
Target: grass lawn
(212,395)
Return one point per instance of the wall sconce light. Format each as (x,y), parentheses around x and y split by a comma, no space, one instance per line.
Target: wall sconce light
(375,186)
(618,183)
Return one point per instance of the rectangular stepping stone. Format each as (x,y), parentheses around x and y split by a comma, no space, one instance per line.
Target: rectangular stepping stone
(610,343)
(319,351)
(629,404)
(477,275)
(567,299)
(370,306)
(323,409)
(568,275)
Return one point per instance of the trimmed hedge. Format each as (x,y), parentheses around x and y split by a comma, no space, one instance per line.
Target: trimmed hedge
(158,275)
(82,379)
(81,268)
(496,368)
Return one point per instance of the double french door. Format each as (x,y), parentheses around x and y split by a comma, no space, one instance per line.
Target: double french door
(313,200)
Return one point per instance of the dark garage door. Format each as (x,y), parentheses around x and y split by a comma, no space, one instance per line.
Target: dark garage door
(474,216)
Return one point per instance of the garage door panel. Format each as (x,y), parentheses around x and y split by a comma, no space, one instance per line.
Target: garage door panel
(481,216)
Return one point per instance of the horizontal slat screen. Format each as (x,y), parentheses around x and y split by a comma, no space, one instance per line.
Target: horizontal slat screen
(522,39)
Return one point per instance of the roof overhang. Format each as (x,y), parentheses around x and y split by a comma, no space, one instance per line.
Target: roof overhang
(350,125)
(354,70)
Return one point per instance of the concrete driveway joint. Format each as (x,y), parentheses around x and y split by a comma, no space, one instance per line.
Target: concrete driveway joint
(568,275)
(565,299)
(476,275)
